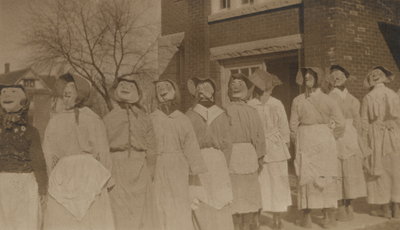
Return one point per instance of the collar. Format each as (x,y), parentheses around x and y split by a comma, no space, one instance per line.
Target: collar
(341,93)
(379,85)
(174,114)
(208,114)
(316,92)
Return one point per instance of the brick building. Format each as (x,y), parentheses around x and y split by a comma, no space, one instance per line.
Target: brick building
(218,37)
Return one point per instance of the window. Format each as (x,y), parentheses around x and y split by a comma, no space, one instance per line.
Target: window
(247,70)
(225,4)
(29,83)
(247,2)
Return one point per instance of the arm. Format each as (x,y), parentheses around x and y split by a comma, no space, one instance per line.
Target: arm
(225,138)
(338,118)
(294,121)
(151,145)
(50,147)
(191,149)
(356,115)
(259,138)
(283,124)
(38,162)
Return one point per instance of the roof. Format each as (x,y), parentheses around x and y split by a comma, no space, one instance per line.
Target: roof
(13,76)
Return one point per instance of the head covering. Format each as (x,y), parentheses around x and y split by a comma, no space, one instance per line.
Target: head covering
(130,79)
(302,73)
(194,82)
(264,80)
(169,106)
(340,68)
(20,118)
(389,75)
(83,87)
(242,77)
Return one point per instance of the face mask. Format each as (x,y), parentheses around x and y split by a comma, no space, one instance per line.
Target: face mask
(309,80)
(238,89)
(205,92)
(70,95)
(127,92)
(12,99)
(376,76)
(165,91)
(338,77)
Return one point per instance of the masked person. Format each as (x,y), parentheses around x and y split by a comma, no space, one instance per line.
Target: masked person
(274,177)
(315,122)
(248,148)
(352,181)
(179,156)
(380,115)
(211,125)
(78,159)
(23,176)
(132,145)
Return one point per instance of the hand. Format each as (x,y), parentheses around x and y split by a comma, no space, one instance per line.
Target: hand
(260,164)
(43,201)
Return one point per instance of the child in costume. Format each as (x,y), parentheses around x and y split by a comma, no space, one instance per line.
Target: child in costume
(274,176)
(315,122)
(179,156)
(23,176)
(211,125)
(352,181)
(79,163)
(248,150)
(133,148)
(380,116)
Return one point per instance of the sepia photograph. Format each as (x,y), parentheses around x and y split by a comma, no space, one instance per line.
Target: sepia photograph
(199,114)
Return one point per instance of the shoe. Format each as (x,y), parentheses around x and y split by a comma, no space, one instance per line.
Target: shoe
(306,222)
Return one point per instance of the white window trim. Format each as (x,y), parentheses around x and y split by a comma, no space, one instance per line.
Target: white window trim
(225,75)
(239,9)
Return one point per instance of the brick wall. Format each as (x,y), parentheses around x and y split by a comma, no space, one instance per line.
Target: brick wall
(346,32)
(263,25)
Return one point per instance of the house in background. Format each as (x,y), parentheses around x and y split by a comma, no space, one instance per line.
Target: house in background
(215,38)
(39,89)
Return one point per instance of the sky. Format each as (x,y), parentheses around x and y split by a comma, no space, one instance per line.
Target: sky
(13,21)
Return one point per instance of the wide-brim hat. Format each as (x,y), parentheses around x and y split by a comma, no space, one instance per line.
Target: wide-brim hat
(193,82)
(263,79)
(83,87)
(340,68)
(302,72)
(241,77)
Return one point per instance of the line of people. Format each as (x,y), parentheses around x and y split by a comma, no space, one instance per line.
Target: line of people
(211,168)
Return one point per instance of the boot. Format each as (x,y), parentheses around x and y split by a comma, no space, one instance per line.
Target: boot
(395,210)
(306,222)
(237,221)
(332,217)
(342,214)
(329,220)
(277,222)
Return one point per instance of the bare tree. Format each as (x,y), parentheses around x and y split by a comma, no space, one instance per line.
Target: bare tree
(100,40)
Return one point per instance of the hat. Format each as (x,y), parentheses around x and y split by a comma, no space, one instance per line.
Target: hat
(174,85)
(340,68)
(242,77)
(194,82)
(389,75)
(83,87)
(264,80)
(302,72)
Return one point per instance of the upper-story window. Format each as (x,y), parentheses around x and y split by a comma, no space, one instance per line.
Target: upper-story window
(225,4)
(29,83)
(244,2)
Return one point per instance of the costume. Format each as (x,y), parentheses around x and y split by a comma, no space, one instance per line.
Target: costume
(314,123)
(211,126)
(248,147)
(380,113)
(23,175)
(179,155)
(274,178)
(133,148)
(78,159)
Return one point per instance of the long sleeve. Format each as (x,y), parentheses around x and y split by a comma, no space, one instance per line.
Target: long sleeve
(364,122)
(356,115)
(294,120)
(191,149)
(283,124)
(338,118)
(50,146)
(38,162)
(151,144)
(100,144)
(226,140)
(259,139)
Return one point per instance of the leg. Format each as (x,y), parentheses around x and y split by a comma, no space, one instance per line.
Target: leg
(395,210)
(387,212)
(341,214)
(306,222)
(349,209)
(277,221)
(237,221)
